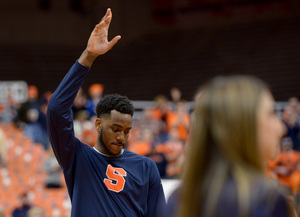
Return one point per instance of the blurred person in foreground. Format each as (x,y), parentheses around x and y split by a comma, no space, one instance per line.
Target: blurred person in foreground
(104,180)
(234,134)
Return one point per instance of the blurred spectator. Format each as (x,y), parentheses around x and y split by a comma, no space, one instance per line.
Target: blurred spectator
(175,97)
(95,93)
(32,120)
(293,103)
(8,109)
(53,170)
(290,120)
(84,114)
(285,165)
(156,126)
(174,153)
(31,104)
(36,212)
(180,119)
(24,205)
(142,145)
(79,103)
(3,151)
(80,121)
(85,129)
(90,137)
(161,111)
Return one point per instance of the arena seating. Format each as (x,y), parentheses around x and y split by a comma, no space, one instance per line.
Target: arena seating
(24,173)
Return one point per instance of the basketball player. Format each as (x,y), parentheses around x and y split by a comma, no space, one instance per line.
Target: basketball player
(104,180)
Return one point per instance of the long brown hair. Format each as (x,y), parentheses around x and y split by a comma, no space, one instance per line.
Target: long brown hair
(223,141)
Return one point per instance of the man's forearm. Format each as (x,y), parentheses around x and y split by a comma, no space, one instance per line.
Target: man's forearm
(87,58)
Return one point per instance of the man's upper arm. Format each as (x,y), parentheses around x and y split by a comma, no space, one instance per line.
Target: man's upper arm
(61,136)
(59,115)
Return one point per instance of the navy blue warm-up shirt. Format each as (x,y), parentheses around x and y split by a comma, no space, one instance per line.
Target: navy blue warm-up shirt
(98,185)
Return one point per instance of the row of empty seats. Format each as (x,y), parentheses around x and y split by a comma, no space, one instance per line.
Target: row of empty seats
(24,173)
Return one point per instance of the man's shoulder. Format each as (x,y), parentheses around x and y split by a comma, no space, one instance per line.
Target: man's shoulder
(131,156)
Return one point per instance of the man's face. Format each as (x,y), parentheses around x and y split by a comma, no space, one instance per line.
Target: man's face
(113,132)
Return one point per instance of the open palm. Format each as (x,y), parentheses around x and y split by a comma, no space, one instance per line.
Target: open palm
(98,43)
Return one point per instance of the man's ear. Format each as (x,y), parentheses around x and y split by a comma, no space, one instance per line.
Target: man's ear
(98,124)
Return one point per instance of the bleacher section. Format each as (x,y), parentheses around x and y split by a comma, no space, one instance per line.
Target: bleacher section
(24,173)
(154,63)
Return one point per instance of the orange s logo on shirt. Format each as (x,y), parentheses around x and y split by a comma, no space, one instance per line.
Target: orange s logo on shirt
(115,180)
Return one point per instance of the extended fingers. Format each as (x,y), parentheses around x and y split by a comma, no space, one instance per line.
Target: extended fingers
(108,13)
(104,23)
(114,41)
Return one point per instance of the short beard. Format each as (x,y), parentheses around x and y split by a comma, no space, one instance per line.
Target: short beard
(107,152)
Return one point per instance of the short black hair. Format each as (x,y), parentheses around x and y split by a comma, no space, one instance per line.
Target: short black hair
(114,102)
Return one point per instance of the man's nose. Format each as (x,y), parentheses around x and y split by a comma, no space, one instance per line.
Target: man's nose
(121,138)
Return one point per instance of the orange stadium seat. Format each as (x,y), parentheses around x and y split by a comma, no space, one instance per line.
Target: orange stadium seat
(24,172)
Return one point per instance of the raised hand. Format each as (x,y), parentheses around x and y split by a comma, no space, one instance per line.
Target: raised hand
(98,43)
